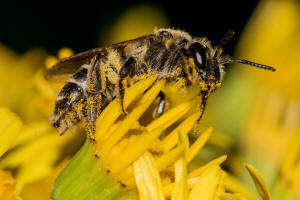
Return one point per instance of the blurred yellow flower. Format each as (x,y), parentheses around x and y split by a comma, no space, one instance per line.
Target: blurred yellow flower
(30,148)
(135,21)
(7,185)
(269,136)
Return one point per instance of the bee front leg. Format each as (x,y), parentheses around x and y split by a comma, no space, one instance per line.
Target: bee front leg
(125,71)
(202,109)
(94,97)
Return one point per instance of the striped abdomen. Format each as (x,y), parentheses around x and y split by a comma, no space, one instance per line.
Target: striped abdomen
(70,105)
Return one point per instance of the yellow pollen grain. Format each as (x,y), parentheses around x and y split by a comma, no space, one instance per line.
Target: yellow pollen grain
(203,86)
(180,83)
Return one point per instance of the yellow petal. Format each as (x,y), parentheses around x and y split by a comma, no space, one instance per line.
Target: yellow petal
(131,118)
(291,156)
(296,178)
(206,186)
(42,189)
(7,185)
(37,159)
(231,196)
(200,170)
(22,154)
(134,150)
(200,142)
(65,52)
(234,185)
(147,178)
(36,169)
(32,131)
(169,157)
(50,61)
(113,110)
(180,191)
(259,182)
(10,126)
(171,139)
(171,116)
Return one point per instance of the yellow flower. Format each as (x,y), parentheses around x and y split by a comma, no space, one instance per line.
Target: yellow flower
(148,159)
(30,150)
(265,108)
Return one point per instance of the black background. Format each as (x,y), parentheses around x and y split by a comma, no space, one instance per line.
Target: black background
(52,25)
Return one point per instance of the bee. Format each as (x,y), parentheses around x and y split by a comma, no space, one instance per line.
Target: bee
(102,74)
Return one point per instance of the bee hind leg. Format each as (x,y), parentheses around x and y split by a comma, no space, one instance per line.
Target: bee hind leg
(94,96)
(125,71)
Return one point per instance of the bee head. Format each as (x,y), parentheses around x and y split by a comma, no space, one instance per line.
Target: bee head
(209,62)
(207,68)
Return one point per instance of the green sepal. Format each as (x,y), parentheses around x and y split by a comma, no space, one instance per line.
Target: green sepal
(85,179)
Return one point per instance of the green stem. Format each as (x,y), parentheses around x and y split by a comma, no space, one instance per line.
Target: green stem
(85,179)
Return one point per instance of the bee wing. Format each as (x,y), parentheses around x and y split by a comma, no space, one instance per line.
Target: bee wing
(70,65)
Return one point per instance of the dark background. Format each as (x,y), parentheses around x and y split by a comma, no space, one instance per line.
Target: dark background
(52,25)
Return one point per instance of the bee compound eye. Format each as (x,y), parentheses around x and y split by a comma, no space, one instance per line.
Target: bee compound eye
(198,52)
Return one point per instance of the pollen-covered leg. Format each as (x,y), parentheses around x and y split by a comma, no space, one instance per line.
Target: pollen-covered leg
(125,71)
(202,109)
(94,96)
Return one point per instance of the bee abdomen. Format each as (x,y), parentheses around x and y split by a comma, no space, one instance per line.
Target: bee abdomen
(71,102)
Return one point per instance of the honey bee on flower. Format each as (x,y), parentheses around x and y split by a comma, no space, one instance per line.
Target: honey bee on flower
(100,75)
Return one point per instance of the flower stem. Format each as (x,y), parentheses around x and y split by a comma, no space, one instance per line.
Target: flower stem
(85,178)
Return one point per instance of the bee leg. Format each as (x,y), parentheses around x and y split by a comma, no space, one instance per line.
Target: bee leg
(125,71)
(94,96)
(161,107)
(202,109)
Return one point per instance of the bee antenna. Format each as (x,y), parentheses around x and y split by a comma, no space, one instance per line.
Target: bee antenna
(223,41)
(266,67)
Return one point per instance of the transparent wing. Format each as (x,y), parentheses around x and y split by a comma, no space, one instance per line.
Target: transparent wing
(70,65)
